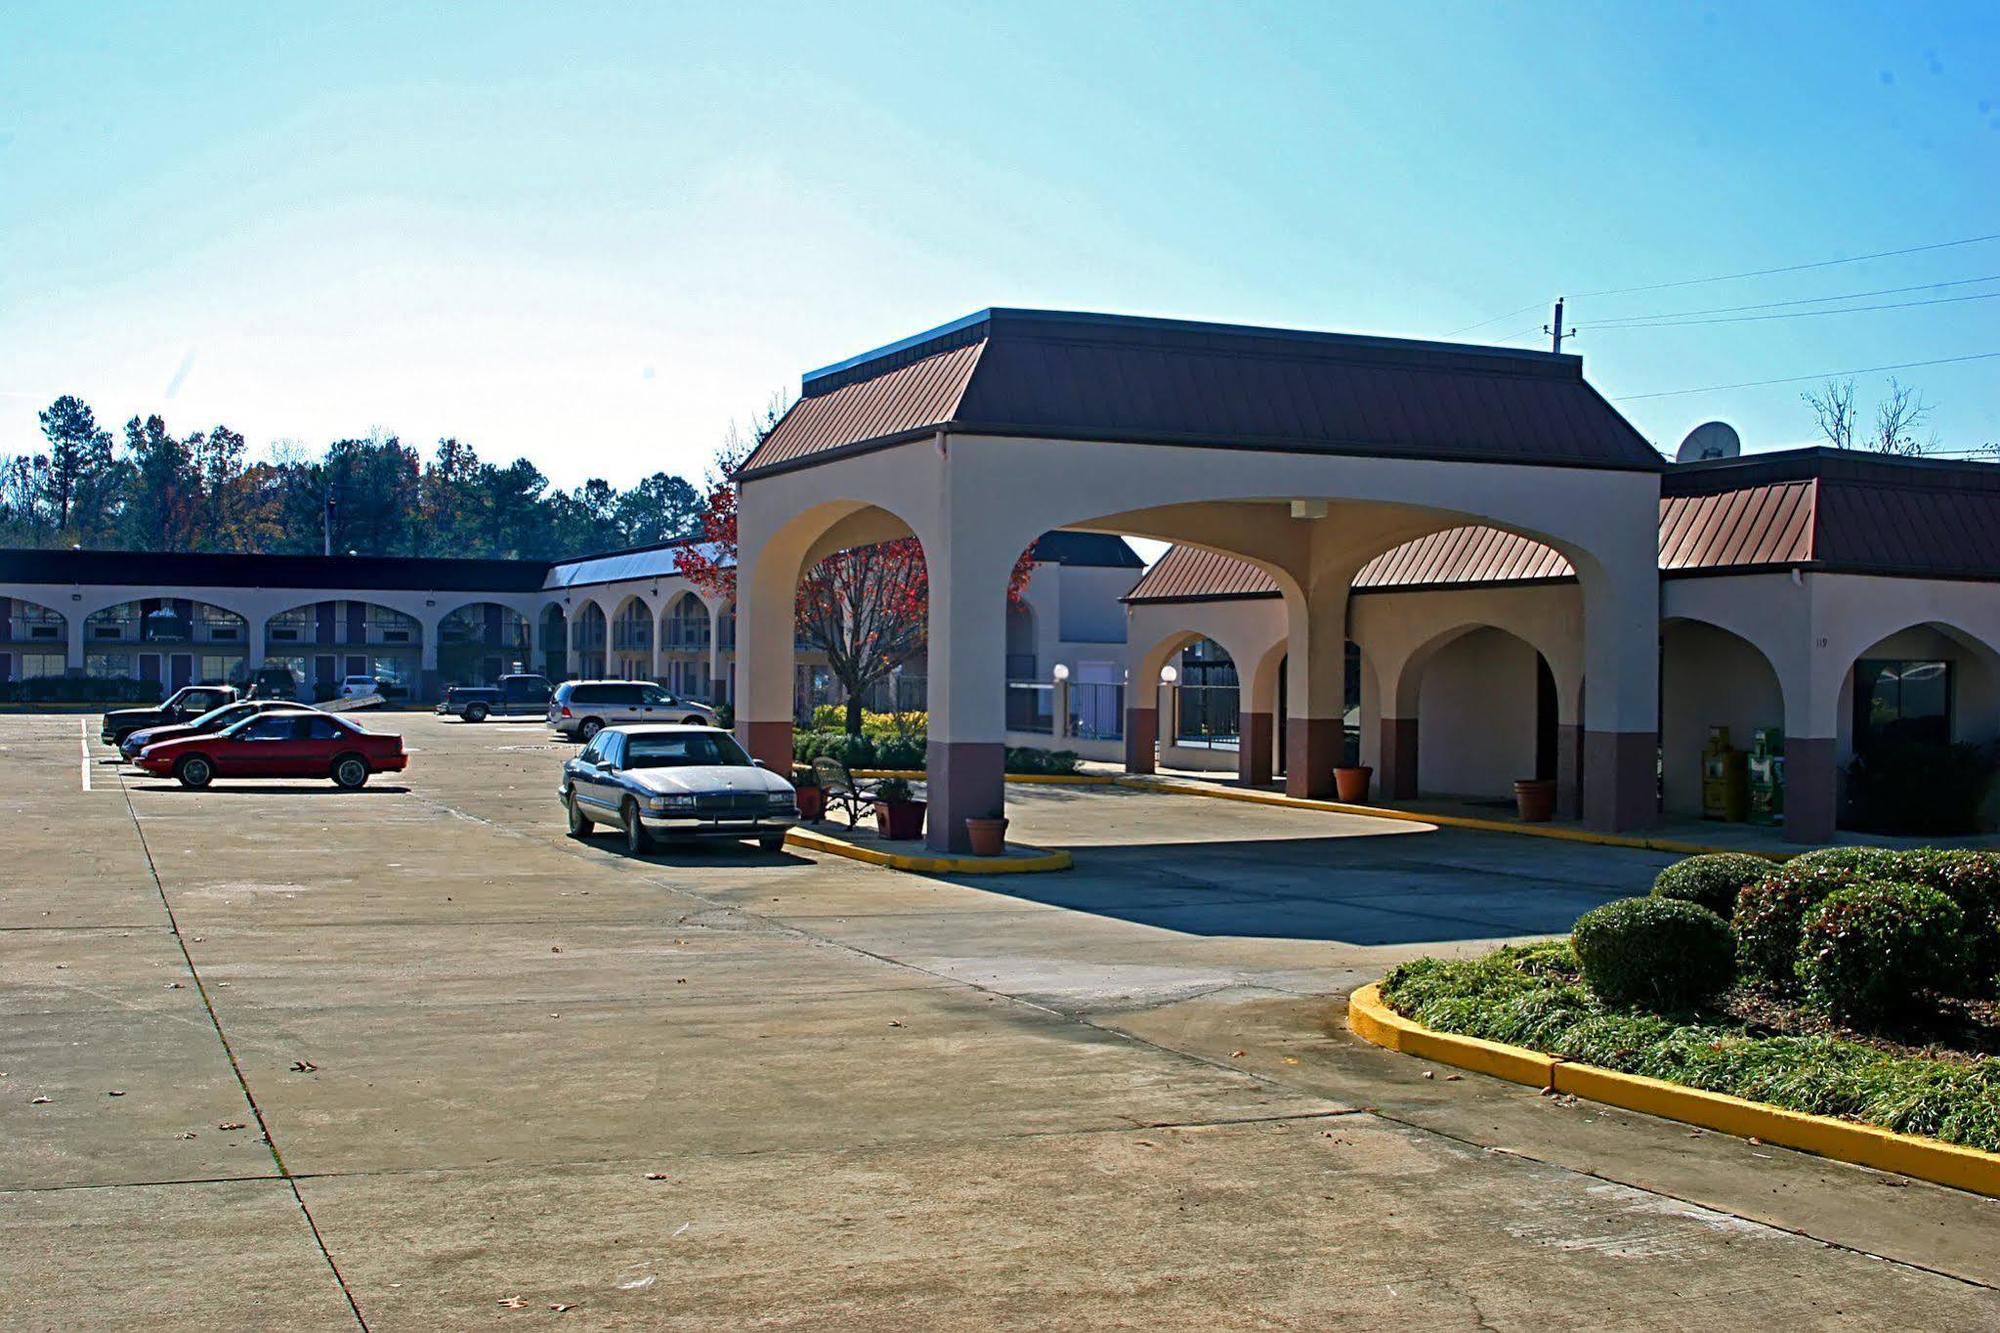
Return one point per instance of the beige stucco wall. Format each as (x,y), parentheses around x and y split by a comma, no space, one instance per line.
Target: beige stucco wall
(1477,710)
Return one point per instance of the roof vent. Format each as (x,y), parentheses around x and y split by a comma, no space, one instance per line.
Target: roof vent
(1711,439)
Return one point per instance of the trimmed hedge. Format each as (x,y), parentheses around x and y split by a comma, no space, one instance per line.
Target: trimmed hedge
(911,752)
(1712,880)
(1871,951)
(1972,880)
(1771,913)
(1660,952)
(80,690)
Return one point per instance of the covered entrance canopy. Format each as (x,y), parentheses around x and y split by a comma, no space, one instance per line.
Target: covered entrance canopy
(1305,454)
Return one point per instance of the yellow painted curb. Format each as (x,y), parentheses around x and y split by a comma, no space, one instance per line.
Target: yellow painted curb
(1048,779)
(1176,787)
(1841,1140)
(1373,1021)
(1040,863)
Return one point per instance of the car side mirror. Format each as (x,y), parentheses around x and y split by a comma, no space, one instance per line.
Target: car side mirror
(756,763)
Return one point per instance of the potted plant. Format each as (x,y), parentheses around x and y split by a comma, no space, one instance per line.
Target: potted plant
(812,798)
(1535,799)
(1350,781)
(899,815)
(987,836)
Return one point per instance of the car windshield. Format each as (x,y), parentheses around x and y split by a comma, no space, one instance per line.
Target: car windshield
(697,747)
(216,717)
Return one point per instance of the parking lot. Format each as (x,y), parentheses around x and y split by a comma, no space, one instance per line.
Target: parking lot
(279,1055)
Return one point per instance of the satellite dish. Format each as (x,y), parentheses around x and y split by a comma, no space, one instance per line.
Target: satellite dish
(1711,439)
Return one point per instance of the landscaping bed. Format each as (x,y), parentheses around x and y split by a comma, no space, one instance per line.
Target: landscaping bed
(1851,985)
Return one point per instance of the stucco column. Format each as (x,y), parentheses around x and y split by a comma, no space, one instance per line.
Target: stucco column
(767,577)
(968,683)
(73,621)
(1253,747)
(1621,737)
(256,629)
(427,656)
(715,667)
(1398,779)
(1142,726)
(1812,741)
(1316,685)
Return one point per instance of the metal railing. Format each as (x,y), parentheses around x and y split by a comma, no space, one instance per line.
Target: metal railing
(1207,716)
(1096,711)
(1031,707)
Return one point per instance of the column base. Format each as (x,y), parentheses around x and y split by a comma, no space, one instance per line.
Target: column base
(1142,731)
(965,780)
(1398,781)
(1623,792)
(1312,748)
(1569,771)
(770,742)
(1253,750)
(1812,785)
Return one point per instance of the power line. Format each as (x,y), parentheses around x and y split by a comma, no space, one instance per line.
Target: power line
(1791,268)
(1804,300)
(1796,379)
(1794,314)
(1732,277)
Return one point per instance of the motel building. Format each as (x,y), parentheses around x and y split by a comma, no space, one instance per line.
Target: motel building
(420,625)
(1457,565)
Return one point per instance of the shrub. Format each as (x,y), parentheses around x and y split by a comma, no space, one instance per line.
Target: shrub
(1972,880)
(81,690)
(895,789)
(905,752)
(1031,759)
(1658,952)
(1770,913)
(1872,862)
(1868,951)
(854,751)
(1919,787)
(1711,881)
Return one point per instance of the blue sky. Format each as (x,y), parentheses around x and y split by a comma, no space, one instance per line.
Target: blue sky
(596,236)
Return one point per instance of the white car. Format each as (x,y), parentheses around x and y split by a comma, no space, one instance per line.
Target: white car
(582,708)
(359,687)
(675,781)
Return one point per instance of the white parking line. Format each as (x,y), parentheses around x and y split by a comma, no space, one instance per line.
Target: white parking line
(83,744)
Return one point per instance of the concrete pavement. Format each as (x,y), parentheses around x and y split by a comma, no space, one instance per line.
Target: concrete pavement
(503,1072)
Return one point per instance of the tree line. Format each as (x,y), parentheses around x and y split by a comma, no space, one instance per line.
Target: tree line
(149,489)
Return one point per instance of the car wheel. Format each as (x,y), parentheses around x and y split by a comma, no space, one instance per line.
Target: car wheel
(637,841)
(579,824)
(194,771)
(771,842)
(476,713)
(587,729)
(350,771)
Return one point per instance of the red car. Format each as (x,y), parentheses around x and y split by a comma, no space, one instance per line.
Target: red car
(279,745)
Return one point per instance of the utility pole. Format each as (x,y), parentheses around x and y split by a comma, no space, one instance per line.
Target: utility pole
(326,525)
(1555,331)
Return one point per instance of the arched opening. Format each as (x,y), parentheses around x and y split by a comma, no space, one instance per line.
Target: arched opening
(173,641)
(589,637)
(1710,679)
(631,649)
(555,642)
(322,643)
(1919,713)
(685,640)
(1204,702)
(1487,710)
(481,642)
(34,640)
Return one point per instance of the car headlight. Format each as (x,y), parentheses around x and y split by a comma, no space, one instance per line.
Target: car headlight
(676,801)
(782,800)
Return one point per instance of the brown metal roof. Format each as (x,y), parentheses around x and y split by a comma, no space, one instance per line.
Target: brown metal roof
(1062,375)
(1191,574)
(1824,509)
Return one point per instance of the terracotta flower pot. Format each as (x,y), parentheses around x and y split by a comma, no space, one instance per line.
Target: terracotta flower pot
(1535,799)
(1350,782)
(987,836)
(812,804)
(900,821)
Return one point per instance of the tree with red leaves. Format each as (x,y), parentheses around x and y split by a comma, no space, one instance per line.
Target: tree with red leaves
(867,608)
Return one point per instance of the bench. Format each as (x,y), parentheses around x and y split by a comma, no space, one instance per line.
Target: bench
(841,788)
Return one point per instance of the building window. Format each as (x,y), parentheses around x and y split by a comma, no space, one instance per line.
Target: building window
(30,665)
(1901,701)
(108,666)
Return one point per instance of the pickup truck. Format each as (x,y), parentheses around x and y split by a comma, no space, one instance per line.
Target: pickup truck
(183,705)
(514,696)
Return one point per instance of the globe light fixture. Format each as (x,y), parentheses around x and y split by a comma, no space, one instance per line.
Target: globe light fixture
(1060,671)
(1168,675)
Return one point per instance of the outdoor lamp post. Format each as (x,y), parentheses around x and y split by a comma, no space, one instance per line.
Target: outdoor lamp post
(1059,723)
